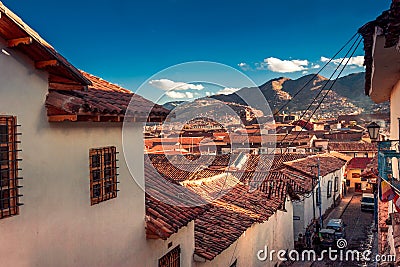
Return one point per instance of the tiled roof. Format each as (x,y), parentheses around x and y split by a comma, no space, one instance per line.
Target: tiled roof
(371,171)
(230,215)
(36,48)
(300,182)
(102,98)
(389,23)
(358,163)
(328,164)
(164,215)
(352,146)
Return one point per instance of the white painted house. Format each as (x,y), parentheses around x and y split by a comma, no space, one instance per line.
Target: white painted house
(76,210)
(312,205)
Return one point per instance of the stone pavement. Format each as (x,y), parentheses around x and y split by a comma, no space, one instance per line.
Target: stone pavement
(335,213)
(338,211)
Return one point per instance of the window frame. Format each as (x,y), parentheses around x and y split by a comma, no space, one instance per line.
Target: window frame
(329,189)
(168,259)
(336,185)
(103,174)
(9,178)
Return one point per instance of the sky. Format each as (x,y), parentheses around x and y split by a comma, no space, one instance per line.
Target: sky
(136,44)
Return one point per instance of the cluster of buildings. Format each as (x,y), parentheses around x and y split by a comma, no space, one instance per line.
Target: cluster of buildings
(203,196)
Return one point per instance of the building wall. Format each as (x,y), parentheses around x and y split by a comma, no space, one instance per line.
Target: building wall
(304,208)
(184,238)
(57,226)
(273,233)
(395,112)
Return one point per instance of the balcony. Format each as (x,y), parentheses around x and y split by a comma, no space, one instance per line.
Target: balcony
(388,162)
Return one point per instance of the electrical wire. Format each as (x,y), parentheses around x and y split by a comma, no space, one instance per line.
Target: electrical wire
(358,41)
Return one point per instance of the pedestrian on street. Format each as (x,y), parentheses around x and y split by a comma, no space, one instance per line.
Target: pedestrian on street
(308,238)
(317,243)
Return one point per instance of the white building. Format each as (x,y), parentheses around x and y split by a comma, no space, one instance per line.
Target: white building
(314,202)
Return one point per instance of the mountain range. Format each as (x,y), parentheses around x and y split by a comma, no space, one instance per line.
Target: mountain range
(346,96)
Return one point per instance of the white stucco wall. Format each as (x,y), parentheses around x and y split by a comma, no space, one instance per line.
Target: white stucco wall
(275,233)
(57,226)
(304,208)
(184,238)
(395,112)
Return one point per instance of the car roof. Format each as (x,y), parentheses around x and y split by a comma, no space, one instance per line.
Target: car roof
(369,195)
(334,222)
(328,231)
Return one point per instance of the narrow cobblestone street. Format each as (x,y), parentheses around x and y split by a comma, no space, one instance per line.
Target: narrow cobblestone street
(359,233)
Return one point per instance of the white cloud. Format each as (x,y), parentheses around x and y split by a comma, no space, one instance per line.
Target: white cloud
(316,66)
(284,66)
(166,84)
(354,61)
(179,95)
(244,66)
(208,93)
(227,91)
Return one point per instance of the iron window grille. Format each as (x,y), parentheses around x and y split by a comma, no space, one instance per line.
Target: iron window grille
(171,259)
(336,185)
(103,174)
(329,189)
(9,179)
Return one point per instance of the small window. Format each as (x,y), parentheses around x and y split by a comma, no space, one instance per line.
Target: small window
(329,189)
(103,174)
(9,197)
(336,185)
(171,259)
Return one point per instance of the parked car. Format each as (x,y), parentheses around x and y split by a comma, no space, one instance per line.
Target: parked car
(327,238)
(367,202)
(339,226)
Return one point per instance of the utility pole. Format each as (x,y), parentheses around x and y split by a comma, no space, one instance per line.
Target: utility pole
(320,196)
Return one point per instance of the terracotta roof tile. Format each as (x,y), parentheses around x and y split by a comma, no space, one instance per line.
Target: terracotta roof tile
(328,164)
(102,98)
(358,163)
(164,214)
(351,146)
(230,215)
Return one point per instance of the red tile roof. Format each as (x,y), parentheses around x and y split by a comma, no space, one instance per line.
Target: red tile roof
(328,164)
(230,215)
(358,163)
(352,147)
(164,214)
(37,49)
(102,98)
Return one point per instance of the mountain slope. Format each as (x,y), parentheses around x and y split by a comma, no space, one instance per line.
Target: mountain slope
(347,95)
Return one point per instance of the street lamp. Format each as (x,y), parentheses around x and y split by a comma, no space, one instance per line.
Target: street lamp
(373,130)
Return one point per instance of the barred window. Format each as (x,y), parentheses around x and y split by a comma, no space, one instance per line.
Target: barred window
(103,174)
(9,188)
(329,189)
(336,185)
(171,259)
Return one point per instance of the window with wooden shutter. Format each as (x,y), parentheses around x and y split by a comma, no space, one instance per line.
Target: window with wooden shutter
(9,188)
(103,174)
(171,259)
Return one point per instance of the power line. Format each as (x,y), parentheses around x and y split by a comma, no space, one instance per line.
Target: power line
(315,75)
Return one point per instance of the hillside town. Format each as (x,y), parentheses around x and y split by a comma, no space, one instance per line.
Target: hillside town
(93,174)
